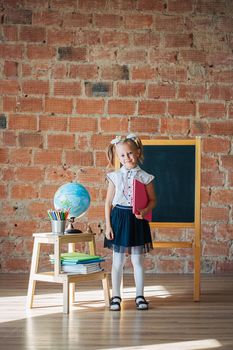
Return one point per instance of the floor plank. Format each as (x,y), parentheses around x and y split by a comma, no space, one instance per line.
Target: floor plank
(173,321)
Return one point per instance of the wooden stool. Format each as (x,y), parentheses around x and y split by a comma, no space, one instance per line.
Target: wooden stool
(68,280)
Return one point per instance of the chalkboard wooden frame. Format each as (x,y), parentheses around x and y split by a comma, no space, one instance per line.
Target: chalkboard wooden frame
(195,244)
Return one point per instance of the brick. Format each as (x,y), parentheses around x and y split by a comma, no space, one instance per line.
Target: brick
(222,196)
(144,125)
(212,178)
(10,32)
(76,19)
(191,92)
(23,191)
(91,175)
(122,5)
(47,18)
(227,162)
(97,213)
(100,142)
(224,231)
(81,158)
(175,126)
(67,89)
(102,54)
(210,7)
(144,73)
(215,214)
(72,54)
(168,266)
(29,104)
(224,266)
(163,57)
(93,4)
(173,73)
(146,39)
(47,191)
(159,91)
(182,108)
(11,69)
(114,125)
(16,265)
(138,21)
(101,161)
(60,37)
(9,87)
(35,87)
(21,156)
(211,110)
(29,174)
(98,89)
(30,140)
(55,123)
(87,37)
(121,107)
(210,163)
(47,157)
(131,89)
(4,155)
(168,23)
(221,128)
(58,105)
(61,141)
(131,56)
(107,20)
(115,39)
(83,71)
(37,209)
(83,124)
(3,192)
(32,34)
(178,40)
(216,249)
(199,127)
(147,107)
(22,122)
(222,92)
(115,72)
(90,106)
(9,138)
(216,145)
(196,56)
(44,52)
(225,76)
(21,16)
(180,6)
(11,52)
(148,5)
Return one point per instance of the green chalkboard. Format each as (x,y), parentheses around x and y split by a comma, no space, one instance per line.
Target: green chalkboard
(174,169)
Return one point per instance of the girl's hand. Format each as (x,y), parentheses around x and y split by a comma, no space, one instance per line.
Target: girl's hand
(140,216)
(109,233)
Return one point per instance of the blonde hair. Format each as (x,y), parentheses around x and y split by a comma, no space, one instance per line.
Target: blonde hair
(133,141)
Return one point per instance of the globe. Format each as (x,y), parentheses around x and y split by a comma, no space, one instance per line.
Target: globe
(74,197)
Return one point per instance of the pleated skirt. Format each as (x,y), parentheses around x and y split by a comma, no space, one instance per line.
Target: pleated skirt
(131,235)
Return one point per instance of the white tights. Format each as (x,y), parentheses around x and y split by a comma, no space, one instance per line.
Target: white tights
(117,272)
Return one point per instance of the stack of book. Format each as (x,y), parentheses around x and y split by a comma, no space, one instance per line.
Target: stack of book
(79,262)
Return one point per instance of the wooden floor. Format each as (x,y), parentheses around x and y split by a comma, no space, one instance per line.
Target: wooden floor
(173,322)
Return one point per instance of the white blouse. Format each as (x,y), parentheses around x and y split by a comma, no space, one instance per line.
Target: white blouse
(123,181)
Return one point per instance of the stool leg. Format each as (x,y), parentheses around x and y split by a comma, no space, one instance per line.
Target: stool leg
(106,289)
(66,296)
(33,271)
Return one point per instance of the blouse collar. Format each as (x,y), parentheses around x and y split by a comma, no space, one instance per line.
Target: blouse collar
(124,170)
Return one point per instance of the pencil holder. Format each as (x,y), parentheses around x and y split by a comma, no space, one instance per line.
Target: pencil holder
(58,226)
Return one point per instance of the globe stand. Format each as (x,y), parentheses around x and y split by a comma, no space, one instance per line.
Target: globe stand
(70,228)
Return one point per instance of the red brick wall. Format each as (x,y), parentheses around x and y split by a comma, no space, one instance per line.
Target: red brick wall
(74,73)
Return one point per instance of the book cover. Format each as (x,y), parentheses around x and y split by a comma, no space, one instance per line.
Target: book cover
(140,199)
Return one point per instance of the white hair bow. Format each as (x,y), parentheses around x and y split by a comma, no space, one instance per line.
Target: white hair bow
(119,139)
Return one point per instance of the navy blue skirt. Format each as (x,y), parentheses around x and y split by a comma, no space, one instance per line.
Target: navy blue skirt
(129,232)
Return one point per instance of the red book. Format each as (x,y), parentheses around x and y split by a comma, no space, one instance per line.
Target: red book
(140,199)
